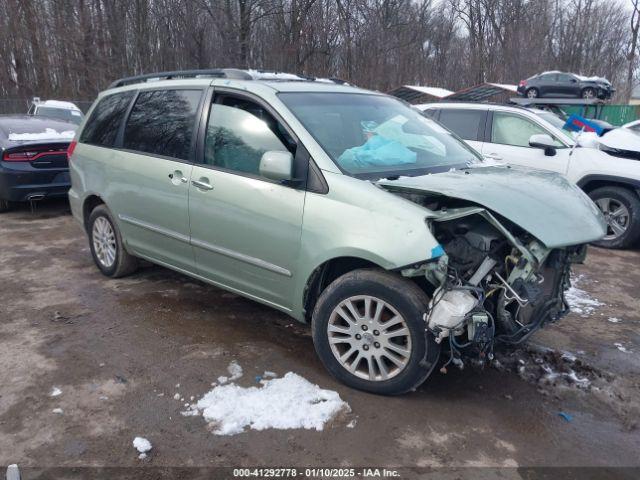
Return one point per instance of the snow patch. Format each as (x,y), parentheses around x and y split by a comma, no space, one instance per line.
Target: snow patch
(48,134)
(57,411)
(235,372)
(614,320)
(621,347)
(142,444)
(281,403)
(580,301)
(55,391)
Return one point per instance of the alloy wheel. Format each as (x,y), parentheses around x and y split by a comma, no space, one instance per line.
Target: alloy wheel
(369,338)
(616,215)
(104,242)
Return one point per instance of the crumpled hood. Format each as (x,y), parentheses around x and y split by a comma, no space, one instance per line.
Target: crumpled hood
(543,203)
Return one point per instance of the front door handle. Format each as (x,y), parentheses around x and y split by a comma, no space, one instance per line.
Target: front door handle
(202,184)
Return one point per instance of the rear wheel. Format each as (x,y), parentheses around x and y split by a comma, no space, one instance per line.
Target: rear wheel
(369,332)
(621,210)
(588,93)
(106,245)
(532,93)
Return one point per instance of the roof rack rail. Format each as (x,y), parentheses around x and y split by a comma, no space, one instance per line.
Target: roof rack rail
(230,73)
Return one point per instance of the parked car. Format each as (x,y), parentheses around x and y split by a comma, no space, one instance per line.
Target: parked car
(621,142)
(520,136)
(633,126)
(33,162)
(66,111)
(335,205)
(560,84)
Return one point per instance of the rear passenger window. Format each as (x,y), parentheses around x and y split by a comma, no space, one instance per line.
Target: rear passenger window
(239,133)
(162,122)
(464,123)
(105,120)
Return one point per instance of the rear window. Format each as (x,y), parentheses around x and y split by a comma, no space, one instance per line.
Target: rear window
(464,123)
(102,126)
(162,122)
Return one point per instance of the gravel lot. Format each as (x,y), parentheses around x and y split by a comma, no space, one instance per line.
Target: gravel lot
(116,349)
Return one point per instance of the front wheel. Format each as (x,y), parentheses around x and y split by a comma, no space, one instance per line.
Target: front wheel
(588,93)
(621,210)
(369,332)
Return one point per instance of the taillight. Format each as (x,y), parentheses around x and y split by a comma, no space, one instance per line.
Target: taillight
(19,156)
(32,153)
(71,148)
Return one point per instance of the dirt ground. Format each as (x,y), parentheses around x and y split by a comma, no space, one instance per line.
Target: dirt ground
(117,349)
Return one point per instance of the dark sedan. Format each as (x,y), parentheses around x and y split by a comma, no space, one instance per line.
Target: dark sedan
(565,85)
(33,162)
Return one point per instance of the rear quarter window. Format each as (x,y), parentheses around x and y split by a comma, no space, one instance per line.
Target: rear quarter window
(162,122)
(102,126)
(464,123)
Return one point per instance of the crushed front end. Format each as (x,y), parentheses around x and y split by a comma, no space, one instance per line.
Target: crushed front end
(493,283)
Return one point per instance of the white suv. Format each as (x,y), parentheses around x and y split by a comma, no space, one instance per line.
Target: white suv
(518,136)
(58,109)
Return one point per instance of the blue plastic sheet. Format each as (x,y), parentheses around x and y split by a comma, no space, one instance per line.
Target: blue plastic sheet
(377,151)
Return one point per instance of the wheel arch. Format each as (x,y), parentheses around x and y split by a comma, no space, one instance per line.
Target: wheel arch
(88,205)
(592,182)
(325,273)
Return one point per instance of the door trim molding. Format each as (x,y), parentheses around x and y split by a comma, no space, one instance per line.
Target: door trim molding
(207,246)
(154,228)
(241,256)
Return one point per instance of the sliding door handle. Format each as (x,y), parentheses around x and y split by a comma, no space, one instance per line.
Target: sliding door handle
(202,184)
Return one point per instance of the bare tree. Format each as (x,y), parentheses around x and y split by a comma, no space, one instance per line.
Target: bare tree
(74,48)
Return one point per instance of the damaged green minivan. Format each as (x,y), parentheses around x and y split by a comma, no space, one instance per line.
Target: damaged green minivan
(341,207)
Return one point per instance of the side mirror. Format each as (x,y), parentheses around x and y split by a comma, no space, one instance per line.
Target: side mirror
(543,141)
(276,165)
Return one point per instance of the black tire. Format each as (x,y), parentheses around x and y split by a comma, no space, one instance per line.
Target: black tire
(631,202)
(124,263)
(532,93)
(589,93)
(407,299)
(5,206)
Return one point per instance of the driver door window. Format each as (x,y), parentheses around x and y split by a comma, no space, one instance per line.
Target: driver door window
(510,135)
(514,130)
(239,133)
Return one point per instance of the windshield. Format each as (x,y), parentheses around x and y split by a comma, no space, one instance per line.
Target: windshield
(553,119)
(74,116)
(373,136)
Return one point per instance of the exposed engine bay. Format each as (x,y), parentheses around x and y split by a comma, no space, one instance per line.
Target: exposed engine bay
(494,282)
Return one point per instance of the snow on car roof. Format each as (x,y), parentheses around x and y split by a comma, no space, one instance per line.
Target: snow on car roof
(59,104)
(29,128)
